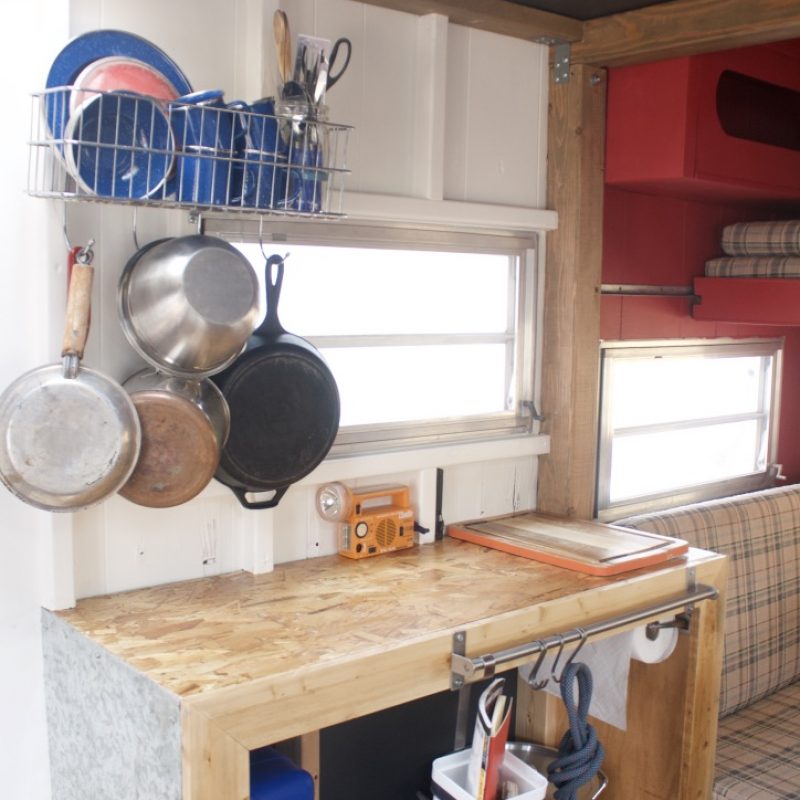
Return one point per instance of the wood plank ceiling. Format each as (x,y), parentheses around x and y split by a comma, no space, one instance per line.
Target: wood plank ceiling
(646,32)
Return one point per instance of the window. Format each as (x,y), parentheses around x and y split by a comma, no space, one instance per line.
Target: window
(430,335)
(685,421)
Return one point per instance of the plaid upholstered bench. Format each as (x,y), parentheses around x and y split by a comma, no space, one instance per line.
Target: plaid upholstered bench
(758,749)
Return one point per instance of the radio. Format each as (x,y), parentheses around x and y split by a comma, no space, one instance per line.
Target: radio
(373,520)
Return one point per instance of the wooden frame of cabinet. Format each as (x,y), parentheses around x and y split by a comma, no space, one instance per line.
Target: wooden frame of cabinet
(254,660)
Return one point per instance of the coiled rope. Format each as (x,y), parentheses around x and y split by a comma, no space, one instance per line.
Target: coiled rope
(580,753)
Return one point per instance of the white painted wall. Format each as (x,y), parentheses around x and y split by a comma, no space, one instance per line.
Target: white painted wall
(31,262)
(414,137)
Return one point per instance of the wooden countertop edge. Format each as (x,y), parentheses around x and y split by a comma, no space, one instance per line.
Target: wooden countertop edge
(288,704)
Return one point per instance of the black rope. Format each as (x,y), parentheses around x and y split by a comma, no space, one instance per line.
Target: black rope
(580,753)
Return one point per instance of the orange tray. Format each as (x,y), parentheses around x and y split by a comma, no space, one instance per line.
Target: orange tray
(581,545)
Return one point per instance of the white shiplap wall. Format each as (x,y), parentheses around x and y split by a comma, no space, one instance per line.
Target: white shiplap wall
(477,135)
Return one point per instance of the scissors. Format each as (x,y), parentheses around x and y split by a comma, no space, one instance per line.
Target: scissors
(345,44)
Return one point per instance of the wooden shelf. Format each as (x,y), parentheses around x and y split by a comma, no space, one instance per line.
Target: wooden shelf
(252,660)
(755,301)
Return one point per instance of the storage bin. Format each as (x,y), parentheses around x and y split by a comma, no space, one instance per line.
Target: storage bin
(449,777)
(273,776)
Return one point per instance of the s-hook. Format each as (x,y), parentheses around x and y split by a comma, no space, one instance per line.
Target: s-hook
(532,682)
(553,669)
(584,636)
(135,237)
(84,255)
(261,240)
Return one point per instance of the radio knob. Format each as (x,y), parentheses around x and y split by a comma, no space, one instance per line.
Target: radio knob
(362,529)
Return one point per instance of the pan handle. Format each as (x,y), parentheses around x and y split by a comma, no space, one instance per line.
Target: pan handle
(79,301)
(241,496)
(271,326)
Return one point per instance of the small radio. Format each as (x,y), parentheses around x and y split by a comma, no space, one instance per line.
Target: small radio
(372,520)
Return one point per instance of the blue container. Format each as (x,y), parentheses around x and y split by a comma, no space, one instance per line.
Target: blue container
(203,127)
(264,179)
(275,777)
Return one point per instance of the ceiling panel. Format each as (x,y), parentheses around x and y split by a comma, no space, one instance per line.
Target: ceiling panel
(587,9)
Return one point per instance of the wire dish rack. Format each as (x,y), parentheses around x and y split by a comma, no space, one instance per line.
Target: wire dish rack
(274,156)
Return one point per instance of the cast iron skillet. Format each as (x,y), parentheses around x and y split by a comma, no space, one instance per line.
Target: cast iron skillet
(284,407)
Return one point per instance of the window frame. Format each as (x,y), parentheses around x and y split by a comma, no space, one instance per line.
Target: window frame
(360,440)
(605,510)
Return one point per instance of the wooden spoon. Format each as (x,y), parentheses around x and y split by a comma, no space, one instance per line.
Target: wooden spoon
(283,43)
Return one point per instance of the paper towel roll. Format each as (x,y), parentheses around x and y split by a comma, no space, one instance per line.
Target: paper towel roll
(653,651)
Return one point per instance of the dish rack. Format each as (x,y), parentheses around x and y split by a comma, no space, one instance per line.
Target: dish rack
(278,157)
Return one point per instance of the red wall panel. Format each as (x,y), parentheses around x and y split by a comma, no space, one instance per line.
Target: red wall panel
(661,240)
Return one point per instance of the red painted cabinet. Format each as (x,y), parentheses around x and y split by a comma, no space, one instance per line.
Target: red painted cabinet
(722,126)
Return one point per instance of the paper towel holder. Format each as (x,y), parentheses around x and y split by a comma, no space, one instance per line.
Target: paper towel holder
(682,622)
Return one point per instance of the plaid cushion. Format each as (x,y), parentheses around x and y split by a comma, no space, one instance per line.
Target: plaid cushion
(762,238)
(760,532)
(758,750)
(756,267)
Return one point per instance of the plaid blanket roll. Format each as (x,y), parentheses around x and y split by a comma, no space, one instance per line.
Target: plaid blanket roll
(754,267)
(762,238)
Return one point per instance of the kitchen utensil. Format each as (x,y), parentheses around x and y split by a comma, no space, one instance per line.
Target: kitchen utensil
(90,47)
(184,425)
(204,130)
(263,181)
(71,435)
(188,305)
(321,83)
(347,46)
(118,73)
(284,407)
(119,145)
(303,145)
(283,44)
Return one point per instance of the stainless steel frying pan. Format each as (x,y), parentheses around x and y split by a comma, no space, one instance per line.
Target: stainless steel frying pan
(69,436)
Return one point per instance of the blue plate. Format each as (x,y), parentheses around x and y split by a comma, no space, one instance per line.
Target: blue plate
(119,145)
(89,47)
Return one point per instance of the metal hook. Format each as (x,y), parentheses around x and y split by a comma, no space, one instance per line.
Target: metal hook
(261,241)
(553,669)
(584,638)
(85,254)
(64,228)
(532,682)
(135,237)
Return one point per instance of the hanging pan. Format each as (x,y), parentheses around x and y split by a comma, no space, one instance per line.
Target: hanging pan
(70,435)
(184,425)
(284,407)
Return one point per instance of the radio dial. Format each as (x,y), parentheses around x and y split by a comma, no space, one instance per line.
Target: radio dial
(362,529)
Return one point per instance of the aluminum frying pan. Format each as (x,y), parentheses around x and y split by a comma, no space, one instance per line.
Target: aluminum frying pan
(70,435)
(284,406)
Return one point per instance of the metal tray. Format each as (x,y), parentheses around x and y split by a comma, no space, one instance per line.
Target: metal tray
(538,756)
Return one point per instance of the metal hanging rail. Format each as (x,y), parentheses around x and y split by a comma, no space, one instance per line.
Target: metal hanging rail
(644,290)
(468,670)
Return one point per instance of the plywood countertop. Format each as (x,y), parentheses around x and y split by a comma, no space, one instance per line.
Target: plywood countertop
(204,635)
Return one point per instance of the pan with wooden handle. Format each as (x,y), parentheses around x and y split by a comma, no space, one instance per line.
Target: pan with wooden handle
(70,435)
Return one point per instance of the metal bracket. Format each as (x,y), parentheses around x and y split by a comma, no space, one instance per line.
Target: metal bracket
(530,407)
(683,623)
(561,63)
(459,649)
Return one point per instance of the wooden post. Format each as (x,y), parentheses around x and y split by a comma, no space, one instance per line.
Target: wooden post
(576,145)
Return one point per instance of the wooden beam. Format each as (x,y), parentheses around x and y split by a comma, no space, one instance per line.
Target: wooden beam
(685,27)
(497,16)
(572,302)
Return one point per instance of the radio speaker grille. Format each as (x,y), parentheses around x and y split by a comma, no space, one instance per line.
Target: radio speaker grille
(385,532)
